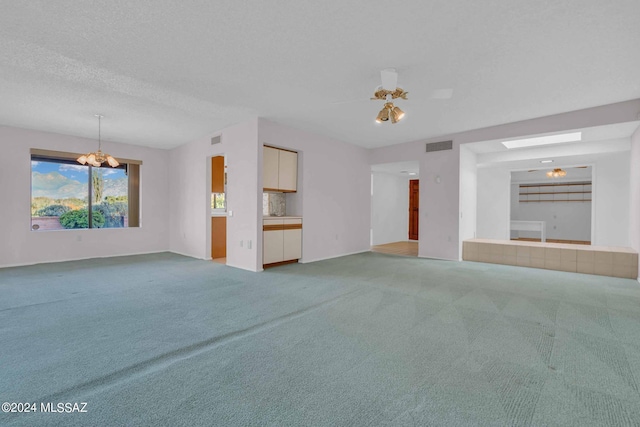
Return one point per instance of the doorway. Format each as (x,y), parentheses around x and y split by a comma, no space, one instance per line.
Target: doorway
(218,210)
(414,208)
(389,208)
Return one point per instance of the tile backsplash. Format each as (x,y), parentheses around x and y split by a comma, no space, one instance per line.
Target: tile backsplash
(274,204)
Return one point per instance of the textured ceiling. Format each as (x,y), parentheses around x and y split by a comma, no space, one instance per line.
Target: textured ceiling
(165,73)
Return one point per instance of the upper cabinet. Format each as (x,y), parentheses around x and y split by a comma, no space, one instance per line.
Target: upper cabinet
(270,168)
(279,170)
(217,174)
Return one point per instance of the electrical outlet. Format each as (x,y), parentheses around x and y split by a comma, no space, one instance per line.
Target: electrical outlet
(249,244)
(241,242)
(78,238)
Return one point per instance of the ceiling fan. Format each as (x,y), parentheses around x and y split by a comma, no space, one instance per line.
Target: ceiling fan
(389,91)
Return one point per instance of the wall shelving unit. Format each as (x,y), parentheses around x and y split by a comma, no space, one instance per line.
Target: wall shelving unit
(555,192)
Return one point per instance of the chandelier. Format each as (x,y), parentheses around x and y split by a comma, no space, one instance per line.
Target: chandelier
(557,173)
(97,158)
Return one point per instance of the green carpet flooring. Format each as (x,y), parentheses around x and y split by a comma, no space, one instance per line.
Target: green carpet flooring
(363,340)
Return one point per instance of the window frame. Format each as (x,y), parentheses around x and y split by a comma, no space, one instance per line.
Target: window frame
(131,166)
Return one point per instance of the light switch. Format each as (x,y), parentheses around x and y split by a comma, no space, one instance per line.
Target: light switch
(230,213)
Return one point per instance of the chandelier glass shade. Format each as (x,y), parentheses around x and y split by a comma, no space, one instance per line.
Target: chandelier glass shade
(97,158)
(557,173)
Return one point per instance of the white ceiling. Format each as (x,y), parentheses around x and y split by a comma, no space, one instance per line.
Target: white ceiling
(597,141)
(589,135)
(165,73)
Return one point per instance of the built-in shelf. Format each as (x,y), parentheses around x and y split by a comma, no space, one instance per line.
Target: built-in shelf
(562,192)
(555,192)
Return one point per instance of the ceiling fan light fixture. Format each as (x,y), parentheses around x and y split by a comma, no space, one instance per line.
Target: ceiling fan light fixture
(383,115)
(396,114)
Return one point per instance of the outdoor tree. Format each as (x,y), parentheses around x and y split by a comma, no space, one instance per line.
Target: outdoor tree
(97,181)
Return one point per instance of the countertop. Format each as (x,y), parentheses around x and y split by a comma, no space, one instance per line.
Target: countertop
(280,217)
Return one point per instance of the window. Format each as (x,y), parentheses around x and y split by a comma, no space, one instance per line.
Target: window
(217,201)
(68,195)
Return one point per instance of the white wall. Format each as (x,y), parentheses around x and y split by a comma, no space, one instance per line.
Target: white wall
(634,191)
(389,208)
(611,199)
(494,193)
(565,220)
(468,195)
(334,191)
(190,196)
(439,204)
(515,194)
(22,246)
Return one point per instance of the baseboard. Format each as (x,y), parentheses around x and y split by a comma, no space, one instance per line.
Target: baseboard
(439,259)
(189,255)
(26,264)
(305,261)
(395,241)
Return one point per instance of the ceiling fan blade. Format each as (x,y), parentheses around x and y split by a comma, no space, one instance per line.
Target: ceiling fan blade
(348,101)
(389,78)
(442,94)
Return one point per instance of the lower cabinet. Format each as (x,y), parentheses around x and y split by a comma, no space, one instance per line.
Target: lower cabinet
(281,241)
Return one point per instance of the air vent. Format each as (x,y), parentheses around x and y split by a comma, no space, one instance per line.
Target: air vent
(439,146)
(216,140)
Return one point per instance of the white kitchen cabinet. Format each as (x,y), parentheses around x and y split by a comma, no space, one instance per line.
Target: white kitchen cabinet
(270,168)
(273,242)
(279,170)
(292,244)
(281,241)
(288,171)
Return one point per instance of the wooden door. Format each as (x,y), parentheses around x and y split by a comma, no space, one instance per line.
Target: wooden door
(218,237)
(414,203)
